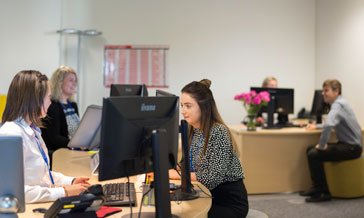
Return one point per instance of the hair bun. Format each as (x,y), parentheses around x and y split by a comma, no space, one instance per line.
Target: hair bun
(206,82)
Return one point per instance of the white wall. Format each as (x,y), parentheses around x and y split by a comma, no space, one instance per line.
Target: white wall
(340,48)
(234,43)
(28,38)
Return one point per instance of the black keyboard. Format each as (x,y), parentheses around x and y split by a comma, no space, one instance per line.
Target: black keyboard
(116,194)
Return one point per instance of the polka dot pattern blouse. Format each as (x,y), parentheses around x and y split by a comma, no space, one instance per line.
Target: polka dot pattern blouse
(219,164)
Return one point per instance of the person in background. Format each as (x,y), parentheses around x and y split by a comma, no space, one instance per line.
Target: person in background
(214,158)
(268,82)
(27,102)
(62,118)
(342,118)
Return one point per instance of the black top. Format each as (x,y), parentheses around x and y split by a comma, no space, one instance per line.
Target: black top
(220,163)
(55,132)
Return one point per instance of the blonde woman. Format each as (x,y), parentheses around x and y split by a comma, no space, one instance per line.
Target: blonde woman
(62,118)
(270,82)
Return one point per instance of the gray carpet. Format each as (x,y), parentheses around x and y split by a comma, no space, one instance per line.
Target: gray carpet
(256,214)
(291,205)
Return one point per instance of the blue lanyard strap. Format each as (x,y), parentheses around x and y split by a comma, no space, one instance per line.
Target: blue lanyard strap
(70,111)
(193,166)
(68,105)
(42,151)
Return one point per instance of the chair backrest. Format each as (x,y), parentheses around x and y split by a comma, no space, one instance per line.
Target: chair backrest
(11,169)
(2,105)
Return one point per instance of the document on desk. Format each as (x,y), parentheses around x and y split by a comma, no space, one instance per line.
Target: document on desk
(95,161)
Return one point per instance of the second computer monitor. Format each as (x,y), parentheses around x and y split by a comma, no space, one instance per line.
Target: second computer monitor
(159,92)
(12,174)
(128,90)
(281,101)
(319,107)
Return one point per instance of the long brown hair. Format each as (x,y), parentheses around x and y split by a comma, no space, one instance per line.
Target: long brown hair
(200,91)
(25,97)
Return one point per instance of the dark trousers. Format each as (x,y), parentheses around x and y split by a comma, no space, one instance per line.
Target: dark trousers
(334,152)
(229,199)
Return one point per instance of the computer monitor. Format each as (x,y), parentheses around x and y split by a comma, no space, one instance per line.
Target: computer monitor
(281,101)
(128,90)
(88,132)
(12,174)
(140,135)
(319,107)
(159,92)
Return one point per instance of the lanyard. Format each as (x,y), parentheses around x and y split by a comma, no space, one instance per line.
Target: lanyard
(193,166)
(69,111)
(67,106)
(42,152)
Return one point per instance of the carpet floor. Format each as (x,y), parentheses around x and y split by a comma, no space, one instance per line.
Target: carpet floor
(291,205)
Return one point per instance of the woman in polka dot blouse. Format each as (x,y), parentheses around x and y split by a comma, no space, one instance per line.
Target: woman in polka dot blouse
(214,160)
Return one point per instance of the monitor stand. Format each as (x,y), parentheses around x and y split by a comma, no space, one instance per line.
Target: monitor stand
(270,111)
(186,192)
(8,206)
(318,118)
(161,178)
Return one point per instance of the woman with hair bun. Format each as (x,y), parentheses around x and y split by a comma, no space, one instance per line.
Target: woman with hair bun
(214,158)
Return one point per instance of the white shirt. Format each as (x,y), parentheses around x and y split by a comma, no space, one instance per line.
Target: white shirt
(38,186)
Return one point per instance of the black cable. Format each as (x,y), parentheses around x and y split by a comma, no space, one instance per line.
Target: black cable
(130,204)
(179,165)
(178,172)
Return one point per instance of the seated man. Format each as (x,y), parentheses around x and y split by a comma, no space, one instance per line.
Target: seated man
(349,146)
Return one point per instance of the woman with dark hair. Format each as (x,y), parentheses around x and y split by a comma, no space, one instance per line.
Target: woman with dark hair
(214,158)
(27,102)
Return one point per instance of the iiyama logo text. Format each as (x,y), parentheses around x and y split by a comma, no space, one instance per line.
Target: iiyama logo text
(147,107)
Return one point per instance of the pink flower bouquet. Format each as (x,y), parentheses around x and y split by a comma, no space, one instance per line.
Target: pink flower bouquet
(253,102)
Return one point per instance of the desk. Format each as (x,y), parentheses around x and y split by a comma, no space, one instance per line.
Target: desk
(275,160)
(77,163)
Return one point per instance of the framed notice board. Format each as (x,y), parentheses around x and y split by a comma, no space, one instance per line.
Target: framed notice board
(135,64)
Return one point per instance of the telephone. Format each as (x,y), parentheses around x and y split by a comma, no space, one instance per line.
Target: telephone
(303,114)
(84,205)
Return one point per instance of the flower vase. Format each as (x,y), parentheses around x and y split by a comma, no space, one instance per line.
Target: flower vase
(251,123)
